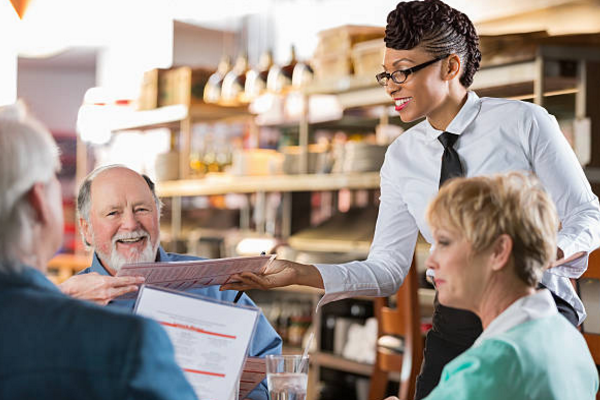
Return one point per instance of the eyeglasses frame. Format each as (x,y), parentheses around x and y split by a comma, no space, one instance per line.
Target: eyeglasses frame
(405,72)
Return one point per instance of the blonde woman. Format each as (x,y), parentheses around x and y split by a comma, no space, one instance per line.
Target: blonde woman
(493,239)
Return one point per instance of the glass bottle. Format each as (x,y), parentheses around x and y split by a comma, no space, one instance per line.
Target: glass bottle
(197,150)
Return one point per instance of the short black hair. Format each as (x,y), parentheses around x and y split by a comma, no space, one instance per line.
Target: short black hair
(439,29)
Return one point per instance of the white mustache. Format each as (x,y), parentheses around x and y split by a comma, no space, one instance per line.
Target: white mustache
(137,234)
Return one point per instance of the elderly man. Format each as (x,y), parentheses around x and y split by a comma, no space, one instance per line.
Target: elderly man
(55,347)
(119,217)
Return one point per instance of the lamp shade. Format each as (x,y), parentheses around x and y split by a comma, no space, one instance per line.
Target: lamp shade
(20,6)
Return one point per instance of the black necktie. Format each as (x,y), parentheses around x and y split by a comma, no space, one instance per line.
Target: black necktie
(451,167)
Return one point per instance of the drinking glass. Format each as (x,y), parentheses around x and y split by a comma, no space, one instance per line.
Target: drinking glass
(287,377)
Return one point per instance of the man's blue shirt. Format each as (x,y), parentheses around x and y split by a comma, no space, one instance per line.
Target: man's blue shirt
(265,340)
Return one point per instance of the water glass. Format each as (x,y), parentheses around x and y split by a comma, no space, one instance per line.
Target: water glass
(287,377)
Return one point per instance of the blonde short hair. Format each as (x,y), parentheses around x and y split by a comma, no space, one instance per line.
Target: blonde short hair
(483,208)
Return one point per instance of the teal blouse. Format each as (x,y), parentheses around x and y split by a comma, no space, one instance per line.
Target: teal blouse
(541,359)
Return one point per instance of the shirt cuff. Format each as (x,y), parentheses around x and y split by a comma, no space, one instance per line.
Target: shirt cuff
(333,278)
(573,269)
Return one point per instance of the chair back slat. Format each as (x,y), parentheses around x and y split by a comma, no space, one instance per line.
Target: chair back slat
(403,320)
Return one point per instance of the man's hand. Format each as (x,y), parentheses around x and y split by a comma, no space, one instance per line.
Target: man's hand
(99,288)
(277,274)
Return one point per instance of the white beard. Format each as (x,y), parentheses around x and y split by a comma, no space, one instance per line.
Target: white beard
(115,260)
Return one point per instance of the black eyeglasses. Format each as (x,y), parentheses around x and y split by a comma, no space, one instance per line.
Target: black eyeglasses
(399,76)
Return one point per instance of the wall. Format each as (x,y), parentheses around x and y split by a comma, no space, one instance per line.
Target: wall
(201,47)
(54,94)
(8,54)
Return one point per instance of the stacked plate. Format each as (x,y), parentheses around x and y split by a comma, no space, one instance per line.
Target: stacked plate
(360,157)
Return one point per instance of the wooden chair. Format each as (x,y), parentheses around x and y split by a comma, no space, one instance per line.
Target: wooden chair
(404,321)
(593,339)
(593,272)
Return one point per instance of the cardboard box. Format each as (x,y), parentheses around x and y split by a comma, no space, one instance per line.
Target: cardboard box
(343,38)
(184,85)
(367,57)
(151,88)
(332,66)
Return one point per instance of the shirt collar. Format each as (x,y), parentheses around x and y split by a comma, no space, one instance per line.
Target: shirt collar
(162,255)
(99,268)
(28,276)
(528,308)
(461,121)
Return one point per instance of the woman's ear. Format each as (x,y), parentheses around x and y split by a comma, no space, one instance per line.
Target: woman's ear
(501,252)
(451,67)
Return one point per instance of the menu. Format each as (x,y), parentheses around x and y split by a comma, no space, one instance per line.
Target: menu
(184,275)
(210,337)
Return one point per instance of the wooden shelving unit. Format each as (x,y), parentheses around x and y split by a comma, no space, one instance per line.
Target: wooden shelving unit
(518,77)
(217,184)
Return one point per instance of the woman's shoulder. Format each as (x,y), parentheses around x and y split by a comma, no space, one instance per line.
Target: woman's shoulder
(514,107)
(493,102)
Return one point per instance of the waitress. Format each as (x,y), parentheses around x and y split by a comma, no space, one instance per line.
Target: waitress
(431,56)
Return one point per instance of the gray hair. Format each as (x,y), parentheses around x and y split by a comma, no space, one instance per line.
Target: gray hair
(84,197)
(28,155)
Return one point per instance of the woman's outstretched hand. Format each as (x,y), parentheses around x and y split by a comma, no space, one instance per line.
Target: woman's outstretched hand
(277,274)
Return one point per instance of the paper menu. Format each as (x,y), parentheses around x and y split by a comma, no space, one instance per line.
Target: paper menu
(184,275)
(210,337)
(255,371)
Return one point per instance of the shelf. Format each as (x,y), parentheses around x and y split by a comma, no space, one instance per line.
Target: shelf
(341,85)
(330,245)
(349,232)
(207,112)
(328,360)
(510,80)
(168,115)
(158,117)
(516,81)
(332,361)
(219,184)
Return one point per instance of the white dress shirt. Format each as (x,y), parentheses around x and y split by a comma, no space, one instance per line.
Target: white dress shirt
(496,135)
